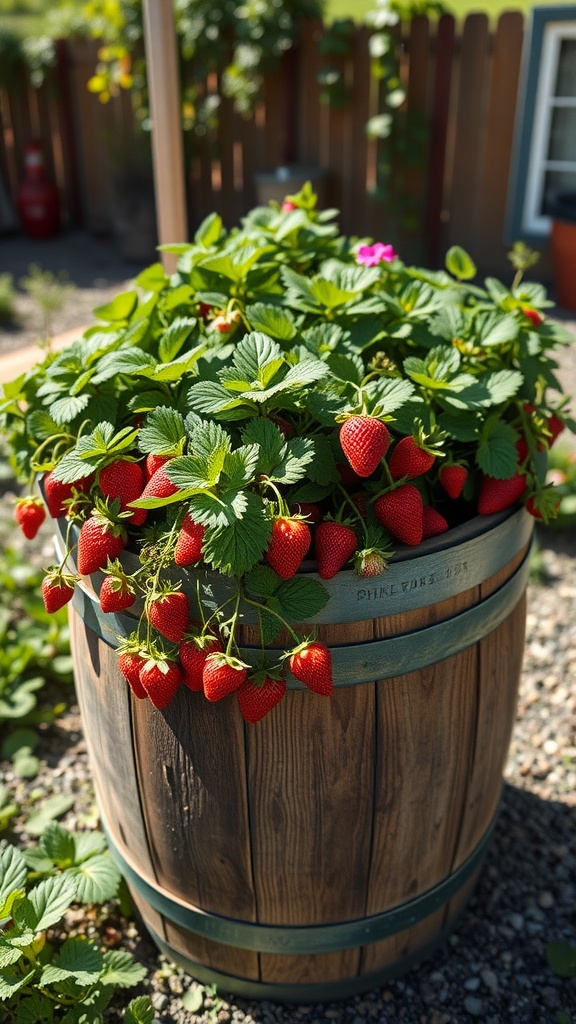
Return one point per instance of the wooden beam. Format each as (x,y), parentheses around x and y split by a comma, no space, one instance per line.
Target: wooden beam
(167,147)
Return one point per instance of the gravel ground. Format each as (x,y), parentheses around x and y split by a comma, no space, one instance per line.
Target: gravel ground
(494,968)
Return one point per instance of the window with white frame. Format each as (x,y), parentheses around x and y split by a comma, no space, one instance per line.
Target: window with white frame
(545,157)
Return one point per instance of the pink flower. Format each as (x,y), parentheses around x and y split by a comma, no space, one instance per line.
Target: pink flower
(371,255)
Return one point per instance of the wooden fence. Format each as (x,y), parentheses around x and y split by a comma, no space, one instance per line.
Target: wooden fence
(460,81)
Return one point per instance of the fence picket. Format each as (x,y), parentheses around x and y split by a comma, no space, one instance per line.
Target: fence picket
(462,83)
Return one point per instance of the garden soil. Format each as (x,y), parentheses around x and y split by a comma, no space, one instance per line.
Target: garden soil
(494,968)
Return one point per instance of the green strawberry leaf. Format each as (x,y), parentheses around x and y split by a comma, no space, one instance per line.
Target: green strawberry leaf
(460,264)
(174,337)
(262,581)
(300,452)
(496,454)
(121,969)
(97,879)
(64,410)
(163,432)
(274,321)
(300,599)
(141,1010)
(78,959)
(268,436)
(58,844)
(121,307)
(234,548)
(13,871)
(46,903)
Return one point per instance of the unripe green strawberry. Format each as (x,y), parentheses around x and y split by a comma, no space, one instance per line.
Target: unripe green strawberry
(189,543)
(497,495)
(288,546)
(452,479)
(57,589)
(29,514)
(364,441)
(222,675)
(130,666)
(370,562)
(124,479)
(312,665)
(433,522)
(161,679)
(193,654)
(400,511)
(169,612)
(409,460)
(100,539)
(335,544)
(258,694)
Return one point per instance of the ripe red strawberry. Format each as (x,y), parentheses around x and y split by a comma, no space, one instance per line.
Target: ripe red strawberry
(204,309)
(169,613)
(335,544)
(124,479)
(312,665)
(222,675)
(370,562)
(258,694)
(193,659)
(361,502)
(29,514)
(288,546)
(555,426)
(364,441)
(533,316)
(115,594)
(522,449)
(400,511)
(409,460)
(154,462)
(433,522)
(100,539)
(57,589)
(189,543)
(130,665)
(161,679)
(159,485)
(56,493)
(544,505)
(497,495)
(288,206)
(452,479)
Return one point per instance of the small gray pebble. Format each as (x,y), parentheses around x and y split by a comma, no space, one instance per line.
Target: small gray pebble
(474,1006)
(490,980)
(159,1000)
(472,984)
(517,922)
(551,997)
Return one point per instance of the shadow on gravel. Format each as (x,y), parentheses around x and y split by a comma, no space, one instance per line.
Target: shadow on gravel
(493,968)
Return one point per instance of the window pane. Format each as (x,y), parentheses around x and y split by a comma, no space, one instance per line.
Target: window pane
(562,144)
(566,81)
(556,183)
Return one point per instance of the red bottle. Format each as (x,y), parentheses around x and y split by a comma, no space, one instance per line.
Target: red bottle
(37,196)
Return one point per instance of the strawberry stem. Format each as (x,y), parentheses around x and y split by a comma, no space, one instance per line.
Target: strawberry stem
(358,516)
(270,611)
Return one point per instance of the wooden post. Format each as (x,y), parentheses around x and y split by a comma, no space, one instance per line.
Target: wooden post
(167,147)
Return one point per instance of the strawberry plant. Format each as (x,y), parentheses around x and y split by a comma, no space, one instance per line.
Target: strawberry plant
(44,977)
(353,405)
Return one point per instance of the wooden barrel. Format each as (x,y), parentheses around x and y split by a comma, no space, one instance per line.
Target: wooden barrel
(333,845)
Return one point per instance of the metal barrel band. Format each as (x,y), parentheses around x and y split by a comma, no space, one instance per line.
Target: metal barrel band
(370,660)
(421,577)
(317,992)
(302,939)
